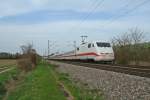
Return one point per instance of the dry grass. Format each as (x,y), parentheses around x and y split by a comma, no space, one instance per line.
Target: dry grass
(4,62)
(141,63)
(27,62)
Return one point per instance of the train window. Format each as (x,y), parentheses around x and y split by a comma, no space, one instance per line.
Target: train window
(100,44)
(92,45)
(78,49)
(89,45)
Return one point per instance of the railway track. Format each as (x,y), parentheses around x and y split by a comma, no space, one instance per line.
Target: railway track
(143,71)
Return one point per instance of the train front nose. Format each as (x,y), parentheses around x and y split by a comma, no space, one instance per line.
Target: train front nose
(105,57)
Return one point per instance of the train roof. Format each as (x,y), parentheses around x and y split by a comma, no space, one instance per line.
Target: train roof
(95,42)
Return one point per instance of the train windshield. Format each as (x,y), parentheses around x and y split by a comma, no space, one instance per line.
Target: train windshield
(100,44)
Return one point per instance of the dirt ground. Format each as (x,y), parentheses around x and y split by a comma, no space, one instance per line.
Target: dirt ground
(7,62)
(142,63)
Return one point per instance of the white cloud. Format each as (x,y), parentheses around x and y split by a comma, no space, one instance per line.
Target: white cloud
(14,35)
(13,7)
(72,27)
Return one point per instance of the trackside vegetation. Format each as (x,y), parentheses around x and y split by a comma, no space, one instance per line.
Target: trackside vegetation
(4,79)
(131,48)
(38,84)
(79,90)
(33,78)
(43,83)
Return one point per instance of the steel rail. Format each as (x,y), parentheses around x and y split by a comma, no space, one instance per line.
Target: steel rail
(131,70)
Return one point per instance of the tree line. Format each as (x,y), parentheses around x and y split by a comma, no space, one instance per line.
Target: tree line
(131,48)
(6,55)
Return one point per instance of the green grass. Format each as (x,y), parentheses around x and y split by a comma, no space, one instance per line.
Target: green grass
(4,78)
(42,84)
(39,84)
(79,92)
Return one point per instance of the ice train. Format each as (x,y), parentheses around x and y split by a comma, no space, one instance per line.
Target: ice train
(95,51)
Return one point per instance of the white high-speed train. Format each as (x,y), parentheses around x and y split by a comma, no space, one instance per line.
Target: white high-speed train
(96,51)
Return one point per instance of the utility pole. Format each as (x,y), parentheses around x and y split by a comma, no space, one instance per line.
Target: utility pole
(32,44)
(84,37)
(75,47)
(48,50)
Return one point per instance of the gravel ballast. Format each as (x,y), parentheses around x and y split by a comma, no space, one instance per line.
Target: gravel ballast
(115,86)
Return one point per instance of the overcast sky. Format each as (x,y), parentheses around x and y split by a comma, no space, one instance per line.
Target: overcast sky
(63,21)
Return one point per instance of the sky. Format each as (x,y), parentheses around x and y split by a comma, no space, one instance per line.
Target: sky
(64,21)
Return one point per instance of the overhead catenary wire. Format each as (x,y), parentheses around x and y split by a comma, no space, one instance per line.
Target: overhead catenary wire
(97,4)
(94,6)
(121,9)
(128,11)
(111,21)
(92,10)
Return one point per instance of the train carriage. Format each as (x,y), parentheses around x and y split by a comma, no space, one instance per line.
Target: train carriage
(96,51)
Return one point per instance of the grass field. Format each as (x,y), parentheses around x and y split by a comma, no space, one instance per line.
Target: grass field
(4,78)
(4,62)
(38,84)
(43,83)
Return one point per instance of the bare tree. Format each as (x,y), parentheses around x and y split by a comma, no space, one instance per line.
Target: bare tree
(122,40)
(27,48)
(127,47)
(137,36)
(28,60)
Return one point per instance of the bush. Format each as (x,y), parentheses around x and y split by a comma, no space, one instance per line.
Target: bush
(130,48)
(28,60)
(122,56)
(2,90)
(25,64)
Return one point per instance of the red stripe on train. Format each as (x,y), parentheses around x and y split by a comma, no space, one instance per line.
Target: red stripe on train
(87,54)
(83,54)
